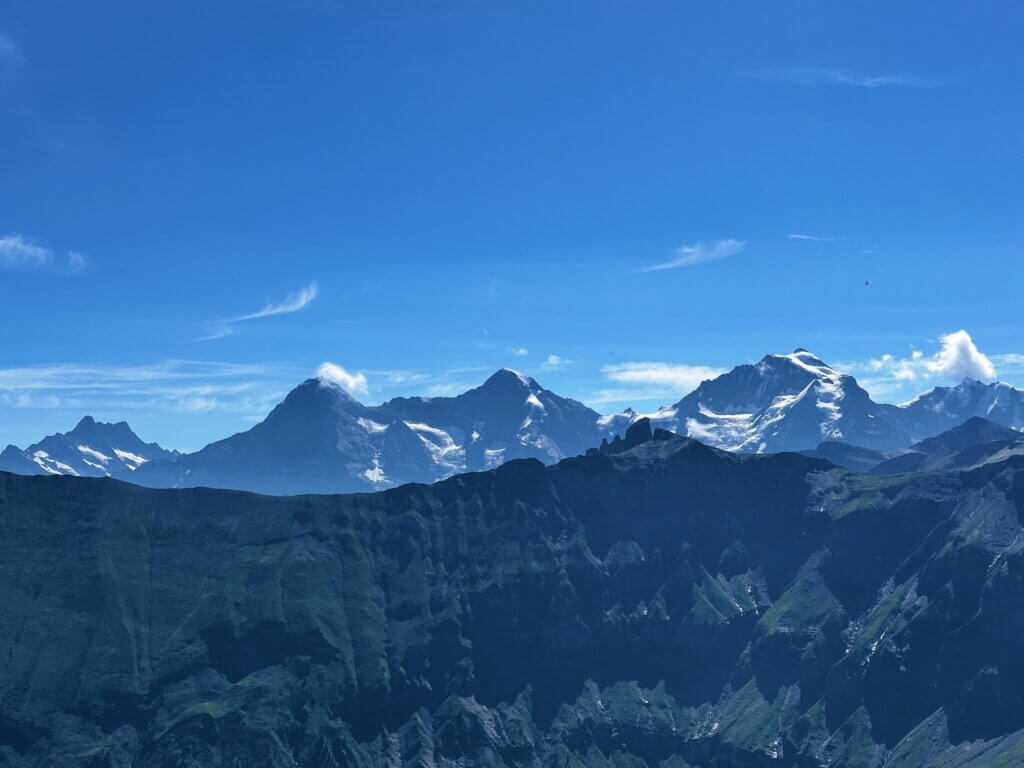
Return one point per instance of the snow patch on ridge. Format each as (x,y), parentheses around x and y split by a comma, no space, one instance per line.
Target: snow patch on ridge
(444,451)
(132,460)
(93,453)
(372,427)
(52,465)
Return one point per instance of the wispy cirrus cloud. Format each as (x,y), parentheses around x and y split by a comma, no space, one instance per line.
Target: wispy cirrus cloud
(688,255)
(811,238)
(812,76)
(650,382)
(295,301)
(8,50)
(680,377)
(218,332)
(18,251)
(76,262)
(1010,359)
(447,389)
(397,377)
(170,386)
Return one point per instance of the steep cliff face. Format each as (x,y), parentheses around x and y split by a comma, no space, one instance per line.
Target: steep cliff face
(659,603)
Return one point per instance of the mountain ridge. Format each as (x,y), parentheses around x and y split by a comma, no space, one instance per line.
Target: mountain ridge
(664,603)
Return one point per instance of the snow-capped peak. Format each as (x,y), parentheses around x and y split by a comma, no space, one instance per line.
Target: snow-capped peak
(511,376)
(809,362)
(91,449)
(783,402)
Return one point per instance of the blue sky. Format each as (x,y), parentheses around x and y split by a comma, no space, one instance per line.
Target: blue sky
(204,202)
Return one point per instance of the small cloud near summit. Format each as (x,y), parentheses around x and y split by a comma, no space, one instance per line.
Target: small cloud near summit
(957,358)
(353,383)
(960,358)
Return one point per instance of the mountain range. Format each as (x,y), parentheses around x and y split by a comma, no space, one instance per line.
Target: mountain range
(653,603)
(793,402)
(322,440)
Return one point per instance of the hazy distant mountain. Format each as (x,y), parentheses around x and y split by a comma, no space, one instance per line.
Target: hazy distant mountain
(851,457)
(942,408)
(976,441)
(322,440)
(91,449)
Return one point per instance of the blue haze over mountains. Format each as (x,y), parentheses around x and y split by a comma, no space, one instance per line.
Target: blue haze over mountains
(320,439)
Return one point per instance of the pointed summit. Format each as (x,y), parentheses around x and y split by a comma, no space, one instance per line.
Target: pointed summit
(507,377)
(87,422)
(807,356)
(803,358)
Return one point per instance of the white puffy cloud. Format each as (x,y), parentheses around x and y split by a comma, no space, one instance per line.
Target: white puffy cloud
(554,362)
(958,357)
(518,351)
(354,383)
